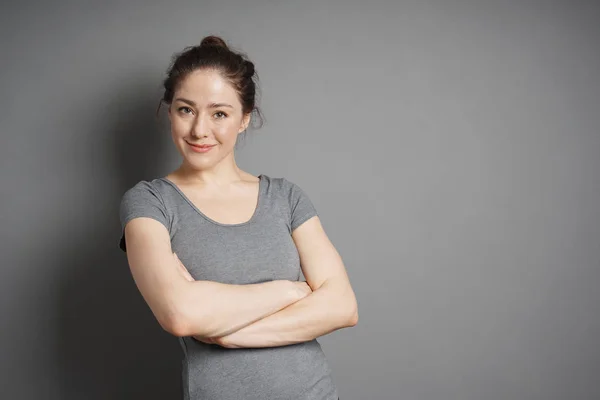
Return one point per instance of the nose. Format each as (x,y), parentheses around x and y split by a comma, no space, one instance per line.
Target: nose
(201,127)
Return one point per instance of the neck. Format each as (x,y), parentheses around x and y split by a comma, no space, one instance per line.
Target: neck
(224,173)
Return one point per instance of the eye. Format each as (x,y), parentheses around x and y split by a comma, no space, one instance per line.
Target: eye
(185,110)
(220,115)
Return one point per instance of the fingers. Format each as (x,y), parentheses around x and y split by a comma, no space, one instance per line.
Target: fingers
(204,340)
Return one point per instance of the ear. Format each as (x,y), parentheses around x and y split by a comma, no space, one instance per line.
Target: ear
(169,111)
(245,123)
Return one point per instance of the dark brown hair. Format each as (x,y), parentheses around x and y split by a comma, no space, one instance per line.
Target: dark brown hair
(213,53)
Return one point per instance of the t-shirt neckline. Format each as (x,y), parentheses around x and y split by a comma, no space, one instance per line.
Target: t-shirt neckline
(252,218)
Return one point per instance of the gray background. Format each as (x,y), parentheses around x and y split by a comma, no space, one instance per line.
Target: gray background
(451,147)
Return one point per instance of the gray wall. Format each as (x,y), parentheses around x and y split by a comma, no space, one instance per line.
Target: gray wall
(451,147)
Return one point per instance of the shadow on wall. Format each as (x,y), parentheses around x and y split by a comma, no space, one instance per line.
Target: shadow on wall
(109,346)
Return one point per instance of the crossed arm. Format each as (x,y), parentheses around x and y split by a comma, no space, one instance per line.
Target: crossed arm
(269,314)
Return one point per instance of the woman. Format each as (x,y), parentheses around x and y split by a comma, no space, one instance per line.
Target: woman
(217,252)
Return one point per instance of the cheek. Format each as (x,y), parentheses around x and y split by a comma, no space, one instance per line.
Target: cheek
(178,127)
(226,132)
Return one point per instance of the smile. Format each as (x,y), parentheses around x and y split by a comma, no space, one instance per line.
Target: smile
(201,148)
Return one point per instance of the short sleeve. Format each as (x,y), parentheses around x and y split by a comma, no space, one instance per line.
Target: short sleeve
(142,200)
(301,207)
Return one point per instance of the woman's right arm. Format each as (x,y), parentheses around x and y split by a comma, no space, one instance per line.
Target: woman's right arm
(199,308)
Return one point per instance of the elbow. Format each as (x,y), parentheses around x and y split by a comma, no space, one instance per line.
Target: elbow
(347,307)
(352,319)
(175,319)
(350,314)
(352,310)
(182,323)
(353,313)
(175,324)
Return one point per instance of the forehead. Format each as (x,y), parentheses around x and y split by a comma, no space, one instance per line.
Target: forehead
(207,86)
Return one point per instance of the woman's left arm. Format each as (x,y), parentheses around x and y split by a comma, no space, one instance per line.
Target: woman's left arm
(331,306)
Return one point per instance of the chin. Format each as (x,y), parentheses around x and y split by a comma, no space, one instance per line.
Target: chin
(199,164)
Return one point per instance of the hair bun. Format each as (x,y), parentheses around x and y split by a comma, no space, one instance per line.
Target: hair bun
(213,41)
(249,69)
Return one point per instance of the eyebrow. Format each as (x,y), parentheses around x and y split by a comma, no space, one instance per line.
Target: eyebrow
(211,105)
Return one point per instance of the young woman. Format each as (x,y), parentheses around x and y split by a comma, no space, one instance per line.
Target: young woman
(217,252)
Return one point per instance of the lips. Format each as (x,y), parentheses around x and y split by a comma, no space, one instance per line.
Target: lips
(202,146)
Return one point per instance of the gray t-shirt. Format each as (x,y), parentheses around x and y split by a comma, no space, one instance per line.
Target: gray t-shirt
(255,251)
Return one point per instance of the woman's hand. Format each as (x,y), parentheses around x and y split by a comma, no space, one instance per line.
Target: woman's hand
(204,340)
(220,341)
(302,289)
(183,270)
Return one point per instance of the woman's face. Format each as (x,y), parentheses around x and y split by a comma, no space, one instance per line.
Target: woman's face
(206,119)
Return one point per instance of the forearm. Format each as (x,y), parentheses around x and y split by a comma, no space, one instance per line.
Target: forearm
(331,307)
(211,309)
